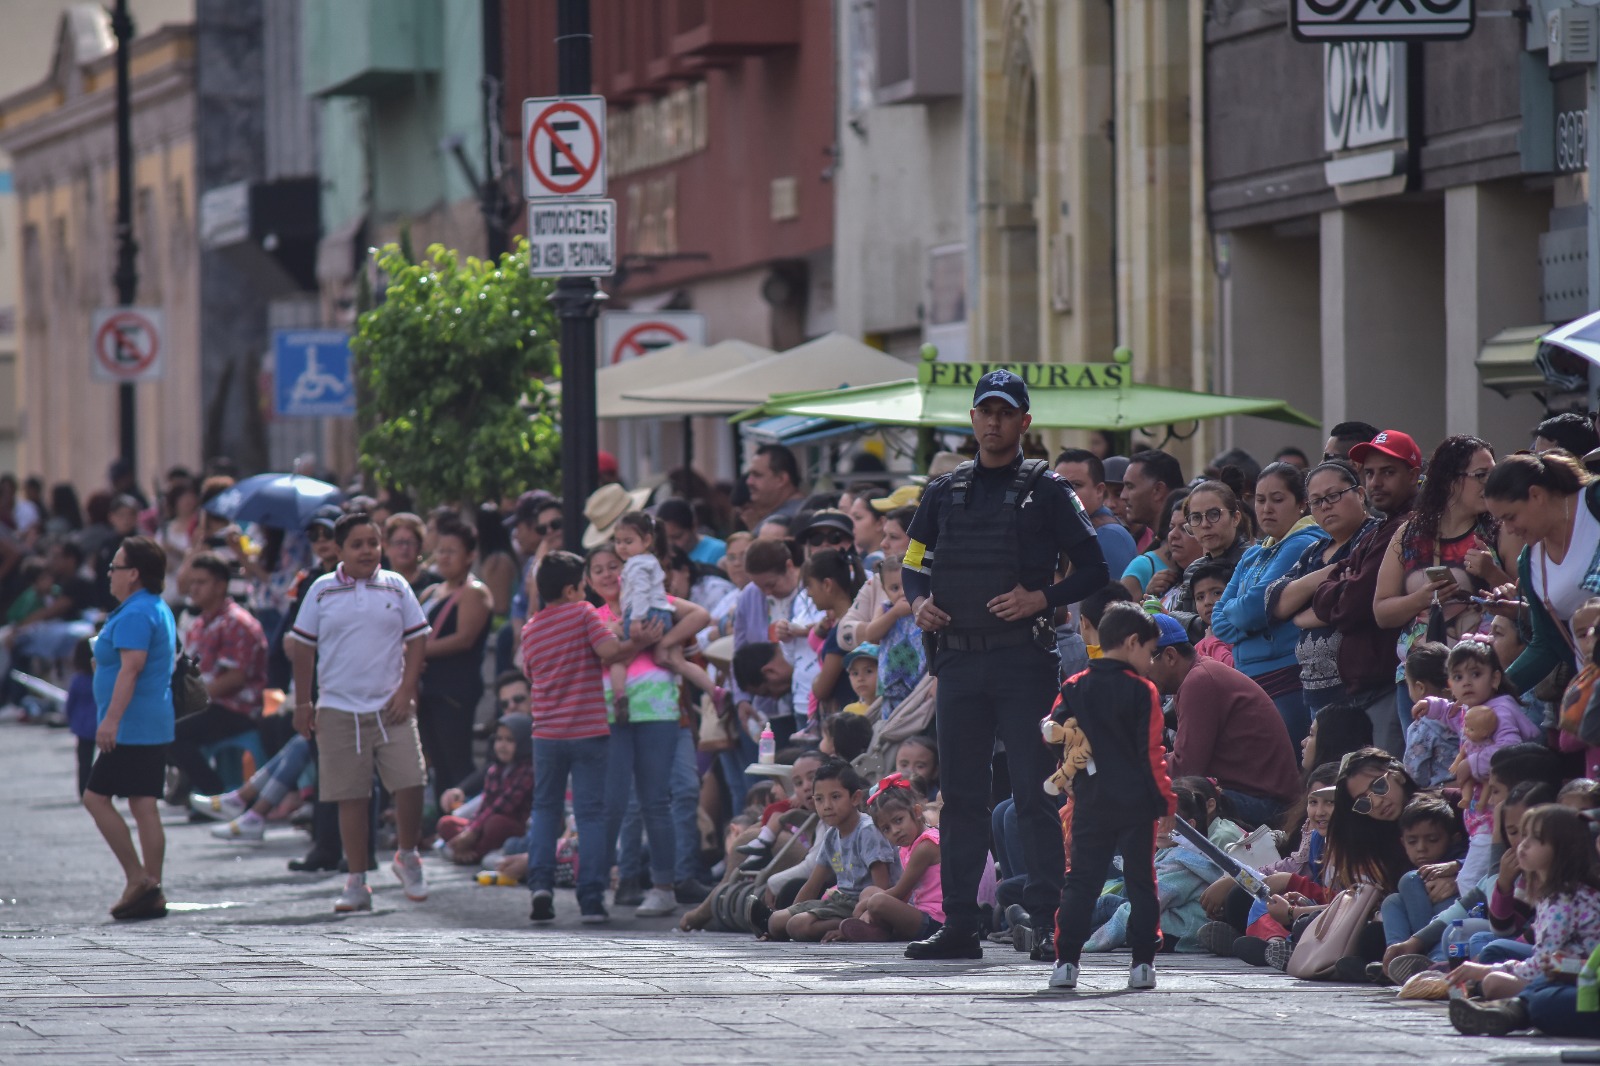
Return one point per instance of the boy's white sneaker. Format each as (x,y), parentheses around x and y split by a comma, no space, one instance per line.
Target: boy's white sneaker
(407,866)
(1142,977)
(254,831)
(1065,976)
(222,807)
(353,898)
(658,903)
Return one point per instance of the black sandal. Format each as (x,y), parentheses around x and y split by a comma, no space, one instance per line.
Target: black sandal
(151,903)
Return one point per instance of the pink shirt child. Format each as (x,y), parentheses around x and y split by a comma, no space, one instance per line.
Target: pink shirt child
(928,896)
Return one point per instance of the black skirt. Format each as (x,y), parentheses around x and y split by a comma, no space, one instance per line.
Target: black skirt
(130,770)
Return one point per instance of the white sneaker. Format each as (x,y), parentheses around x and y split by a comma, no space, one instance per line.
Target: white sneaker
(408,868)
(254,831)
(1065,976)
(224,808)
(1142,977)
(658,903)
(353,899)
(11,712)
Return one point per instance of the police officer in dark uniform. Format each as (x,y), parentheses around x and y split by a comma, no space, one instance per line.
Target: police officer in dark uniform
(986,545)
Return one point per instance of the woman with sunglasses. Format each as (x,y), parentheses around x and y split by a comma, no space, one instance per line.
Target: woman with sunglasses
(1339,506)
(1213,516)
(825,530)
(1451,528)
(1263,645)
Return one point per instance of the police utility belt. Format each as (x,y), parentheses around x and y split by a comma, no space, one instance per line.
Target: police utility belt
(1041,634)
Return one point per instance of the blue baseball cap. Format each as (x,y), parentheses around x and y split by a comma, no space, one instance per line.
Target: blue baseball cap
(1172,631)
(1002,385)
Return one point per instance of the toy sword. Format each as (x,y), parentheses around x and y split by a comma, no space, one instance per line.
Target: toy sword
(1247,878)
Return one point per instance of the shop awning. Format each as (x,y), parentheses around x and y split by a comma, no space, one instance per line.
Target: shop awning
(827,362)
(675,363)
(1507,363)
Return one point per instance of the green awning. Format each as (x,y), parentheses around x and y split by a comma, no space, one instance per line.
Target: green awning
(1506,362)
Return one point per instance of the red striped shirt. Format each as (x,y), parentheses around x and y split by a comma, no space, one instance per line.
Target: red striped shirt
(561,659)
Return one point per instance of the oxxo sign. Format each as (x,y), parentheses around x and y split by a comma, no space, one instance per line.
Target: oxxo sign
(1364,99)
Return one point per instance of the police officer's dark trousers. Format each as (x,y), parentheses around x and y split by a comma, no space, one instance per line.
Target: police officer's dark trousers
(983,695)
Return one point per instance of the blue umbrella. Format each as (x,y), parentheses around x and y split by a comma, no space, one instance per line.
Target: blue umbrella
(279,501)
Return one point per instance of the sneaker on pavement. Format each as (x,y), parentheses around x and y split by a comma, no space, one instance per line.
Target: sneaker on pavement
(657,903)
(1065,976)
(1476,1017)
(358,898)
(407,866)
(223,808)
(544,906)
(599,917)
(1403,968)
(1352,970)
(1218,937)
(254,832)
(1044,944)
(1142,977)
(1279,952)
(1021,924)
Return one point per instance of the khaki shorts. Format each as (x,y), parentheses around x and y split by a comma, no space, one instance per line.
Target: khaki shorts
(345,773)
(836,905)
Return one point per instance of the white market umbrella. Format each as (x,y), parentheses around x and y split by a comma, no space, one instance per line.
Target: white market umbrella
(1581,337)
(828,362)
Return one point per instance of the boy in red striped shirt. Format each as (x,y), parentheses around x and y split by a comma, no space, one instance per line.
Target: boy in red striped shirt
(565,649)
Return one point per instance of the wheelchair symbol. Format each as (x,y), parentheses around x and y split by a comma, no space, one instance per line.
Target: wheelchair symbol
(313,384)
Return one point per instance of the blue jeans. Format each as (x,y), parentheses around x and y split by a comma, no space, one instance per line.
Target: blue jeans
(1073,651)
(1553,1010)
(585,761)
(1295,714)
(1003,828)
(733,763)
(685,792)
(1409,909)
(640,763)
(1491,948)
(1254,810)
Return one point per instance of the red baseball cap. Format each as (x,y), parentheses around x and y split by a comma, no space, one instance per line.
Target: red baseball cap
(1393,443)
(607,464)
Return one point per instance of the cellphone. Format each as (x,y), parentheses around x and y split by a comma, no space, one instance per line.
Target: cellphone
(1439,573)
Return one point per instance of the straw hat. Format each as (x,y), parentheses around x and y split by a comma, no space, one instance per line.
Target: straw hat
(607,504)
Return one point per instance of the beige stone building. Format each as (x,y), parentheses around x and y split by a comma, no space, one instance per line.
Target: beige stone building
(60,137)
(1088,189)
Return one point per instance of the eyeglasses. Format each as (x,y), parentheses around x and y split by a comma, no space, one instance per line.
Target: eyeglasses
(1379,787)
(832,538)
(113,568)
(1480,476)
(552,527)
(1204,518)
(1331,498)
(514,701)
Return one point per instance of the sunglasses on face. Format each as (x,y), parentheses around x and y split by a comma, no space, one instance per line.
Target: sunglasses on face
(1379,787)
(832,538)
(551,527)
(514,701)
(316,533)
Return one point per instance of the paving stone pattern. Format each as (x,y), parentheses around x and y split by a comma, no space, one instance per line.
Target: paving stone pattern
(252,966)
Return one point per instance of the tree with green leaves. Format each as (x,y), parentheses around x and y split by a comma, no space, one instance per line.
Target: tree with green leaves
(451,365)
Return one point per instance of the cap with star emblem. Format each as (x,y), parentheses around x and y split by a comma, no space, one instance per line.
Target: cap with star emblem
(1002,385)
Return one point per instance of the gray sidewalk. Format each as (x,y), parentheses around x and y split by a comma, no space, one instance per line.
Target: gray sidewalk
(252,966)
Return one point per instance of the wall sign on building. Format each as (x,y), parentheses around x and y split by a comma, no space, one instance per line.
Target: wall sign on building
(572,237)
(1363,107)
(626,335)
(563,146)
(1381,20)
(312,374)
(127,344)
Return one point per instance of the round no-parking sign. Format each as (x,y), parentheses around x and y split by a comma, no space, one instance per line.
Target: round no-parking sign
(127,344)
(564,147)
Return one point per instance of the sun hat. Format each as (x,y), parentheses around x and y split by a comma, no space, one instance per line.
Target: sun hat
(604,506)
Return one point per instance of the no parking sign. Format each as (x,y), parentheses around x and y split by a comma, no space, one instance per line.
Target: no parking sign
(126,345)
(563,147)
(628,335)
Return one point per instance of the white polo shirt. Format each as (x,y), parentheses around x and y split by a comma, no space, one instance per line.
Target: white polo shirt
(360,630)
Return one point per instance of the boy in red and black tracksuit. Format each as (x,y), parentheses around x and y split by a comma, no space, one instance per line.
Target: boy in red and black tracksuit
(1119,796)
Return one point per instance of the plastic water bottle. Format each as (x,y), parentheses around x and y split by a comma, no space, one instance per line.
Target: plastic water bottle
(769,748)
(1455,938)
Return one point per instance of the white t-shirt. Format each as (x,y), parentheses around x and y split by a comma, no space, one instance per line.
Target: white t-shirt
(644,587)
(798,610)
(1565,592)
(360,630)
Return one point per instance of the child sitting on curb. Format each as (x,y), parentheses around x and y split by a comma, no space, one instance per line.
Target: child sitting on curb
(914,908)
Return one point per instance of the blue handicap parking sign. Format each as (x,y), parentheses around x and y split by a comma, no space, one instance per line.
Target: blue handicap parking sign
(312,374)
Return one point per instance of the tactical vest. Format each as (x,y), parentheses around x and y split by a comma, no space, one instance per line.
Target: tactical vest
(979,555)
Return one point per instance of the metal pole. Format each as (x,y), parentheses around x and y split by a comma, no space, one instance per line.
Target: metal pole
(1592,161)
(491,194)
(576,304)
(127,274)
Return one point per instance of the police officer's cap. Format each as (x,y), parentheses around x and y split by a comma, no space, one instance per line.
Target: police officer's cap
(1002,385)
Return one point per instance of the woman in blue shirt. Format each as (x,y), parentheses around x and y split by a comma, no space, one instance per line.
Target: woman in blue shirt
(133,657)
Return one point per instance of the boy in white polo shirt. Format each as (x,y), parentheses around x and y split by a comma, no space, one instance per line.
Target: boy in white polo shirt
(361,629)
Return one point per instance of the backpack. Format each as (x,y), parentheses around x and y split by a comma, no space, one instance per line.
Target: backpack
(189,695)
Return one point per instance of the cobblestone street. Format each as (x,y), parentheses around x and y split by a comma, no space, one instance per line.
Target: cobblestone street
(252,966)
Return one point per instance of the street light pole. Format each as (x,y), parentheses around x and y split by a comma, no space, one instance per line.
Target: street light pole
(127,274)
(576,301)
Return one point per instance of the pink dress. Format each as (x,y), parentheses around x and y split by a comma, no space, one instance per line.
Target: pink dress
(928,896)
